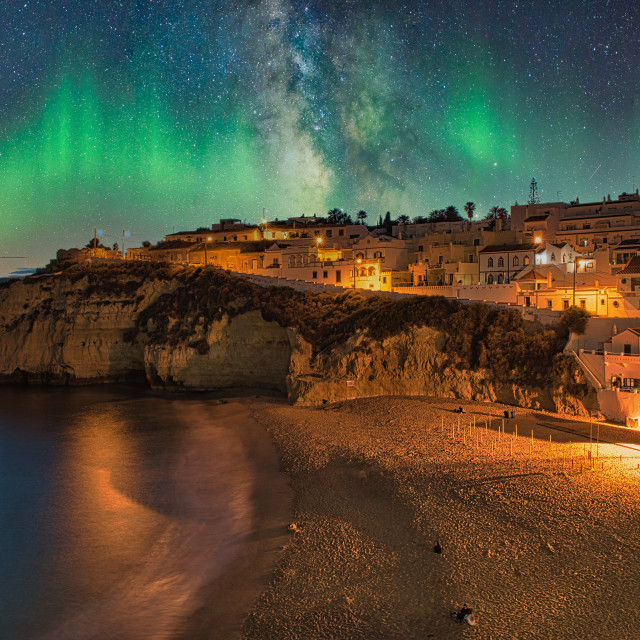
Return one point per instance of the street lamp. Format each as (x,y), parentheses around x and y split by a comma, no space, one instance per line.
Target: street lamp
(125,234)
(355,271)
(576,265)
(205,250)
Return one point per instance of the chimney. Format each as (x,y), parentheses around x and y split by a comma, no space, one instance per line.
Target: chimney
(549,280)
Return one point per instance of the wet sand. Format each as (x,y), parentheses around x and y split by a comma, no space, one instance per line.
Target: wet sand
(541,539)
(224,604)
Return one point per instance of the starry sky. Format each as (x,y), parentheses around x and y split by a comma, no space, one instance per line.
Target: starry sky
(155,115)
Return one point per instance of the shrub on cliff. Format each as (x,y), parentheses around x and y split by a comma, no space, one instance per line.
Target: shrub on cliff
(575,319)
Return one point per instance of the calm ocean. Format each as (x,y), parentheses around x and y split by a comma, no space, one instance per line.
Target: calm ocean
(116,507)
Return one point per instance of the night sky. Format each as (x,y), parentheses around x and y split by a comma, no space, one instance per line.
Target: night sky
(154,115)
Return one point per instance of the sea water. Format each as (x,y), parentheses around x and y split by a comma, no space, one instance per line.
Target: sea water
(115,509)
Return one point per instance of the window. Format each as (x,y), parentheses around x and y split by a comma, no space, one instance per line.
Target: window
(359,255)
(516,261)
(476,242)
(420,248)
(325,274)
(525,261)
(329,233)
(616,304)
(338,276)
(490,263)
(340,232)
(314,275)
(565,305)
(490,279)
(363,272)
(471,257)
(549,303)
(583,303)
(440,259)
(627,348)
(500,279)
(501,261)
(377,254)
(384,280)
(527,301)
(602,301)
(372,271)
(553,257)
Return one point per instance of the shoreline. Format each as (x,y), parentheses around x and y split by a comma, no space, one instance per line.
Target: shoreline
(226,601)
(538,538)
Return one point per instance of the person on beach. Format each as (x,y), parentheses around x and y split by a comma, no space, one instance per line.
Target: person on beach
(464,615)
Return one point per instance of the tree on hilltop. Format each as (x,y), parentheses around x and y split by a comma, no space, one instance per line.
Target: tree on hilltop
(362,216)
(338,216)
(470,207)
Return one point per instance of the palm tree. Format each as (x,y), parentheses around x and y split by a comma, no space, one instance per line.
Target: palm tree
(362,216)
(470,207)
(451,214)
(497,213)
(403,219)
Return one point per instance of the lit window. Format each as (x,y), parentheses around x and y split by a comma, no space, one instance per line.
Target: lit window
(500,262)
(490,263)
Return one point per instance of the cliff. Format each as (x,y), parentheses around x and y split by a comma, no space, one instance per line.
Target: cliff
(194,329)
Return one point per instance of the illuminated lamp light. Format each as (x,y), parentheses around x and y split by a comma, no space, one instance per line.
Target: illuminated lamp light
(538,239)
(319,239)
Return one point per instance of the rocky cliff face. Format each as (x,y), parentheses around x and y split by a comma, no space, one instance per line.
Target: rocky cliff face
(101,325)
(413,363)
(61,330)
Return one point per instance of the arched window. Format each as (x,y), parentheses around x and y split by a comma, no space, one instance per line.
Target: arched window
(363,272)
(516,261)
(500,262)
(490,263)
(500,279)
(553,257)
(490,279)
(525,262)
(372,271)
(359,255)
(564,258)
(377,254)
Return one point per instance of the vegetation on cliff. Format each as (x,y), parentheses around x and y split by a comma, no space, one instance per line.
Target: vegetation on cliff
(475,335)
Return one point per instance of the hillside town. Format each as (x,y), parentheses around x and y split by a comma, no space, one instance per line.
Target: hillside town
(539,258)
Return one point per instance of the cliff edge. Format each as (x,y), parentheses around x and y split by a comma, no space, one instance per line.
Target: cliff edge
(202,329)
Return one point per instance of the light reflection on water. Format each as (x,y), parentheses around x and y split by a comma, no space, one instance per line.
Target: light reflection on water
(133,505)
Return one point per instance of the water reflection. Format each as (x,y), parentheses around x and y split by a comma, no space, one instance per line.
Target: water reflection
(142,502)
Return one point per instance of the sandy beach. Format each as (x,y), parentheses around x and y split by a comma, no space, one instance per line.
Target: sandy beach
(539,537)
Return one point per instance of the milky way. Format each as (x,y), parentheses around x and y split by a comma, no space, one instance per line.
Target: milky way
(152,115)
